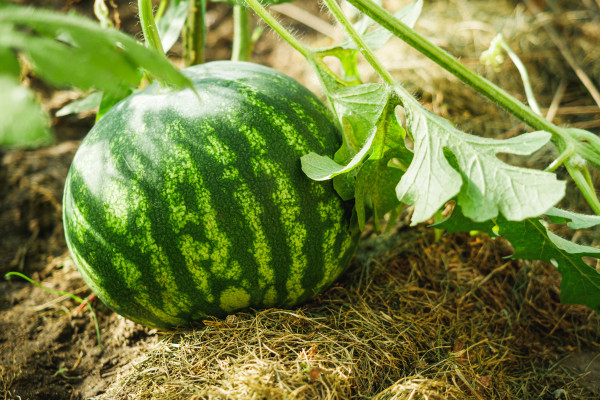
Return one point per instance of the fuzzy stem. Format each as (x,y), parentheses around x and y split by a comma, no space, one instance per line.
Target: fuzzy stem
(277,27)
(564,156)
(582,179)
(524,77)
(364,49)
(149,26)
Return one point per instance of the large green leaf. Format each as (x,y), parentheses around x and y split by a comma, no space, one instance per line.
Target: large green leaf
(532,240)
(73,50)
(483,185)
(23,124)
(358,109)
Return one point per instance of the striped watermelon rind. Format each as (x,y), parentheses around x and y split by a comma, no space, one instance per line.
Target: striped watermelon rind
(182,205)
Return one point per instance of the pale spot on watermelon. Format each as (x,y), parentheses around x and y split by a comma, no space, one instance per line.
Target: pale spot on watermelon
(234,298)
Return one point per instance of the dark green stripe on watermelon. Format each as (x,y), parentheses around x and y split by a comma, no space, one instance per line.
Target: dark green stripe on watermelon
(180,206)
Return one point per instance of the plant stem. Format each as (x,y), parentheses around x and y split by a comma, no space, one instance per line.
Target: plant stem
(242,42)
(448,62)
(581,176)
(161,10)
(149,26)
(364,49)
(524,77)
(277,27)
(564,156)
(194,36)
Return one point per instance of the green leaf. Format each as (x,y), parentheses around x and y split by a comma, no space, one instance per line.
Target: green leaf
(110,99)
(375,184)
(23,124)
(531,240)
(349,64)
(9,64)
(171,23)
(573,220)
(376,179)
(484,185)
(98,57)
(75,107)
(457,222)
(358,108)
(321,168)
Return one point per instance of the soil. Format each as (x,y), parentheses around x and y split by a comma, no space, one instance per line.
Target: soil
(48,343)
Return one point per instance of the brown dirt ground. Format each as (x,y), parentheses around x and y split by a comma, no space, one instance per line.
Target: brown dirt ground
(48,345)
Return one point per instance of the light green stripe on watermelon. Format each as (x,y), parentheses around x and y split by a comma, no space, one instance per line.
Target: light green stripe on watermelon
(270,298)
(220,255)
(194,254)
(252,212)
(234,298)
(124,268)
(331,213)
(251,208)
(285,198)
(219,150)
(309,122)
(172,298)
(134,283)
(281,121)
(178,170)
(257,142)
(78,221)
(117,208)
(79,226)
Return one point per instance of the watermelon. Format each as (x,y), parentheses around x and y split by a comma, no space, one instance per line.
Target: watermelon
(182,205)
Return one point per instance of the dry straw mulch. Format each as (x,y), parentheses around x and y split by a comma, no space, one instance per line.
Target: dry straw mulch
(451,319)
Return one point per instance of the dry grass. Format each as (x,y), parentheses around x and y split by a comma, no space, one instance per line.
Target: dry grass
(445,320)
